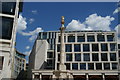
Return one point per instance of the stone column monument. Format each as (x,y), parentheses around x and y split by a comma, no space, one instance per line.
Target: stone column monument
(62,73)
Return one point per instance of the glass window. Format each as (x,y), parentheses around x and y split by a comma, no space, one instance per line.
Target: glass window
(95,47)
(100,38)
(98,66)
(90,38)
(95,57)
(49,62)
(58,57)
(74,66)
(90,66)
(58,47)
(77,57)
(86,56)
(112,56)
(112,46)
(118,46)
(104,47)
(44,35)
(83,66)
(68,48)
(40,35)
(104,57)
(80,38)
(119,53)
(68,57)
(49,55)
(71,38)
(114,65)
(6,28)
(1,62)
(67,66)
(8,7)
(106,66)
(77,48)
(110,37)
(86,47)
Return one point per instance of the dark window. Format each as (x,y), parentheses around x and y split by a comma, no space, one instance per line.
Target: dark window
(104,47)
(86,47)
(6,28)
(90,38)
(49,62)
(67,66)
(1,62)
(119,53)
(112,56)
(83,66)
(118,46)
(68,48)
(95,57)
(100,38)
(114,65)
(58,57)
(86,56)
(95,47)
(49,55)
(68,57)
(49,35)
(77,48)
(40,35)
(44,35)
(71,38)
(112,47)
(75,66)
(77,57)
(106,66)
(8,7)
(80,38)
(98,66)
(58,47)
(104,57)
(90,66)
(110,37)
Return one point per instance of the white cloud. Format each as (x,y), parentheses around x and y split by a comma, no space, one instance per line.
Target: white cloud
(93,22)
(96,22)
(75,25)
(31,20)
(34,11)
(22,26)
(116,10)
(27,53)
(27,47)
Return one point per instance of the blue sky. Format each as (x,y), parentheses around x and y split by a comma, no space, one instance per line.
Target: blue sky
(39,16)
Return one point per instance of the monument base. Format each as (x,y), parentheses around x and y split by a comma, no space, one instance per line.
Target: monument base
(62,75)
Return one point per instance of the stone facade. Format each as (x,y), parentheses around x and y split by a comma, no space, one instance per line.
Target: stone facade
(8,24)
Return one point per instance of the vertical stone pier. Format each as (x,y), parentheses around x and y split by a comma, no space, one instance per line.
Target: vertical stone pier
(62,73)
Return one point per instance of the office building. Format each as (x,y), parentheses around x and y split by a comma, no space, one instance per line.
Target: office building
(89,55)
(19,64)
(8,23)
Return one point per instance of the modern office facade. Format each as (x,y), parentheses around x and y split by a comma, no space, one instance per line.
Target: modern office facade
(19,64)
(88,55)
(9,11)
